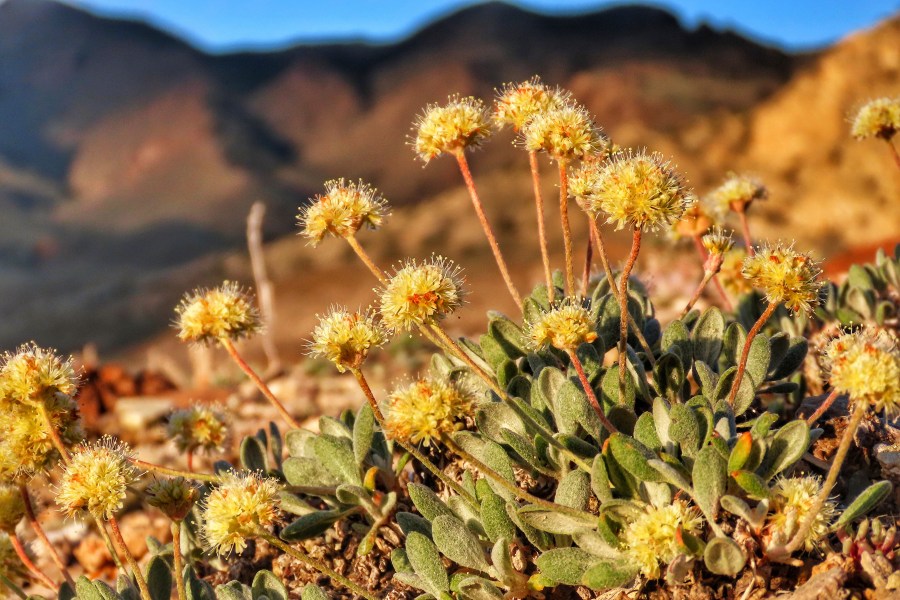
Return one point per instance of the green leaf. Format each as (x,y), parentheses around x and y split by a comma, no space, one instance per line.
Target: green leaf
(551,521)
(233,590)
(754,485)
(313,592)
(574,409)
(492,417)
(265,583)
(758,360)
(539,539)
(196,588)
(496,522)
(859,277)
(685,429)
(478,588)
(363,432)
(574,490)
(495,457)
(608,574)
(633,457)
(724,557)
(565,565)
(253,454)
(336,455)
(707,379)
(456,542)
(706,338)
(412,522)
(334,427)
(425,560)
(645,432)
(669,375)
(307,472)
(740,453)
(94,590)
(676,340)
(871,497)
(788,446)
(709,480)
(508,336)
(427,502)
(311,525)
(299,443)
(159,579)
(525,449)
(793,358)
(600,480)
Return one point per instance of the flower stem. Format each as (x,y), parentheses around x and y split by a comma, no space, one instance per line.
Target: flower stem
(745,228)
(894,152)
(509,485)
(315,564)
(55,438)
(623,308)
(29,564)
(448,481)
(101,528)
(208,477)
(586,273)
(589,390)
(31,517)
(365,258)
(486,226)
(745,353)
(190,459)
(135,568)
(178,560)
(566,229)
(453,348)
(837,462)
(542,234)
(707,275)
(823,408)
(12,587)
(248,370)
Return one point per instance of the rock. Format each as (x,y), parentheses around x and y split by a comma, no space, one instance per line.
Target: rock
(824,586)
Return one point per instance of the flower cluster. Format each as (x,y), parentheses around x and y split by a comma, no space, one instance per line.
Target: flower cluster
(31,373)
(717,242)
(174,497)
(426,409)
(565,327)
(27,447)
(652,538)
(450,128)
(564,132)
(737,193)
(421,293)
(223,313)
(865,364)
(346,338)
(241,505)
(344,209)
(198,428)
(792,499)
(518,103)
(878,118)
(96,478)
(784,276)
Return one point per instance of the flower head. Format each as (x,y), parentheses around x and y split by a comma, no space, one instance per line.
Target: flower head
(565,326)
(637,189)
(450,128)
(878,118)
(518,103)
(346,338)
(792,499)
(731,272)
(652,538)
(95,479)
(698,219)
(865,364)
(225,312)
(421,293)
(27,447)
(345,208)
(427,409)
(174,497)
(565,132)
(717,242)
(198,428)
(737,192)
(31,373)
(785,276)
(237,509)
(12,507)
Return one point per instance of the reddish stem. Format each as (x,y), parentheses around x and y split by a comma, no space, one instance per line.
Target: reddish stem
(745,353)
(32,568)
(698,244)
(745,228)
(894,152)
(248,370)
(589,390)
(542,234)
(623,307)
(35,525)
(823,408)
(567,231)
(586,274)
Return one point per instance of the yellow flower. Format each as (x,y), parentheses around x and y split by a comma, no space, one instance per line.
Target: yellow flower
(731,272)
(31,373)
(345,208)
(698,219)
(717,242)
(198,427)
(96,478)
(637,189)
(866,365)
(785,276)
(237,509)
(419,294)
(878,118)
(450,128)
(225,312)
(565,326)
(518,103)
(792,500)
(426,410)
(737,192)
(564,132)
(27,447)
(650,540)
(12,507)
(346,338)
(174,497)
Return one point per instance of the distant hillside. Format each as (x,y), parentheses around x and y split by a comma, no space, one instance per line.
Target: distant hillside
(128,159)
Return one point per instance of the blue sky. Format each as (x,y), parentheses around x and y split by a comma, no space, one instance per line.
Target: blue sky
(222,25)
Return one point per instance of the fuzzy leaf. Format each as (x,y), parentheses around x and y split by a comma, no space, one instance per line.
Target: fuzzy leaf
(412,522)
(754,485)
(299,443)
(662,421)
(539,539)
(253,454)
(574,490)
(740,453)
(334,427)
(724,557)
(508,336)
(478,588)
(707,378)
(600,480)
(762,425)
(596,544)
(307,472)
(871,497)
(685,429)
(336,455)
(574,409)
(496,522)
(310,525)
(525,449)
(792,359)
(676,340)
(758,360)
(233,590)
(554,522)
(427,502)
(313,592)
(363,432)
(497,459)
(456,542)
(565,565)
(548,382)
(645,432)
(706,337)
(633,457)
(425,560)
(265,583)
(788,446)
(492,417)
(94,590)
(746,393)
(608,574)
(709,480)
(196,588)
(159,579)
(669,374)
